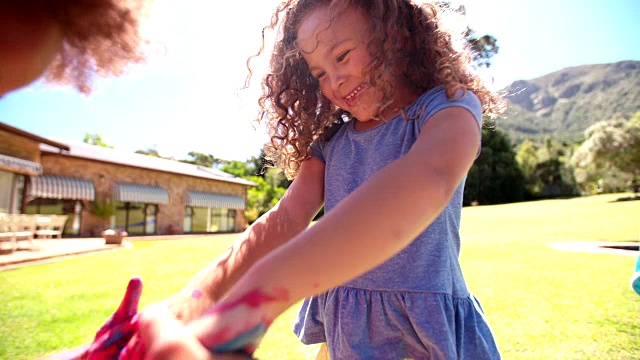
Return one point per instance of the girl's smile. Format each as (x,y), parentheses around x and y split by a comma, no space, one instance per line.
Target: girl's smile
(352,98)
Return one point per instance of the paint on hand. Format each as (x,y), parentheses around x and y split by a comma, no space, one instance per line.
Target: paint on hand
(252,299)
(114,334)
(243,343)
(196,294)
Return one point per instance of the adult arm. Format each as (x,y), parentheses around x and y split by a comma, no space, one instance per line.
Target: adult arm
(290,216)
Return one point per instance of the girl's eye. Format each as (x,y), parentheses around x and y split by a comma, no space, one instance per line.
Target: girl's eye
(320,75)
(341,57)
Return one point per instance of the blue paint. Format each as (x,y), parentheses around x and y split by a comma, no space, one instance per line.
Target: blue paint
(242,341)
(635,279)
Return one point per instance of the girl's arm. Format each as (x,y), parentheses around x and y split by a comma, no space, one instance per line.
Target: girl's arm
(291,215)
(368,227)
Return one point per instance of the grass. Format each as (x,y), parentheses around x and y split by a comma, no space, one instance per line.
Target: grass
(540,302)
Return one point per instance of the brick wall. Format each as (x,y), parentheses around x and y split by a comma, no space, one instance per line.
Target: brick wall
(19,146)
(105,176)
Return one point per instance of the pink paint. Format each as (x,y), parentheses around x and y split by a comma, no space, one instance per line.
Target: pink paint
(196,294)
(252,299)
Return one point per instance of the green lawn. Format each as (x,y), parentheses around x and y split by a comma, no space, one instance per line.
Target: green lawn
(542,303)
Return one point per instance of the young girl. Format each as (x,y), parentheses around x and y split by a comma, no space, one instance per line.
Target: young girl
(374,109)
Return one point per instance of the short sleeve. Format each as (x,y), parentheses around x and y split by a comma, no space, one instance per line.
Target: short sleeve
(317,149)
(438,101)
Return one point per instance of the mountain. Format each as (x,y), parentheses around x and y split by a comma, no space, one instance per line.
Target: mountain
(566,102)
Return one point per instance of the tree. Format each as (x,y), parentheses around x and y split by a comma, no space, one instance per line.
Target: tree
(95,139)
(495,177)
(271,185)
(259,164)
(261,198)
(611,152)
(527,158)
(152,152)
(241,169)
(205,160)
(554,179)
(545,169)
(483,47)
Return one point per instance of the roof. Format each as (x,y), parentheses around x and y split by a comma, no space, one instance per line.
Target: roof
(113,156)
(31,136)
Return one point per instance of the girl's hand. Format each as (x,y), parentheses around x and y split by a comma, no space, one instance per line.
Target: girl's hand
(237,325)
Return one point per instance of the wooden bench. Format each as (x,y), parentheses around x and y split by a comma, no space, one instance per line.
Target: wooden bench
(50,226)
(6,233)
(15,228)
(24,227)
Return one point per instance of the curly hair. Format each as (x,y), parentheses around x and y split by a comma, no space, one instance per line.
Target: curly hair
(100,38)
(296,112)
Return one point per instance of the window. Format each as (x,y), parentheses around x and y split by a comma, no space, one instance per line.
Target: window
(200,220)
(188,215)
(213,220)
(231,220)
(18,194)
(11,192)
(136,218)
(6,191)
(150,218)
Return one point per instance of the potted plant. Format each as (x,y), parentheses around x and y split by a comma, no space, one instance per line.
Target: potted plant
(112,236)
(104,209)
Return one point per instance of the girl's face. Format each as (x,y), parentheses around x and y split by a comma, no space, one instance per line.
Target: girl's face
(335,50)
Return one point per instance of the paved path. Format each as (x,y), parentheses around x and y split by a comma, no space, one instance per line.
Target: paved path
(46,250)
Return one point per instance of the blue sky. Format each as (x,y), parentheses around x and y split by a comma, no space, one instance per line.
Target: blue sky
(183,99)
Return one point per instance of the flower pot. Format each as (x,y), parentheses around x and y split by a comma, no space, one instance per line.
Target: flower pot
(111,236)
(113,239)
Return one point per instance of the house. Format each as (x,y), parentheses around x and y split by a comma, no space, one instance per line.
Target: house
(151,195)
(19,159)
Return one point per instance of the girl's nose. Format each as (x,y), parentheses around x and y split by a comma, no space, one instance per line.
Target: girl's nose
(336,80)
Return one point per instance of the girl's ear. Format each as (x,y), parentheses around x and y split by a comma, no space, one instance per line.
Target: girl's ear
(29,41)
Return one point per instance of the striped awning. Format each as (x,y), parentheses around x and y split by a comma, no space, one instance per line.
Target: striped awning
(211,200)
(140,193)
(60,187)
(20,166)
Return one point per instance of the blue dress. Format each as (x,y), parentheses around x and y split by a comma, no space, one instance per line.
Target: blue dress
(416,304)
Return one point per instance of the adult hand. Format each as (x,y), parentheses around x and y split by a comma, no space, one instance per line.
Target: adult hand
(164,337)
(116,332)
